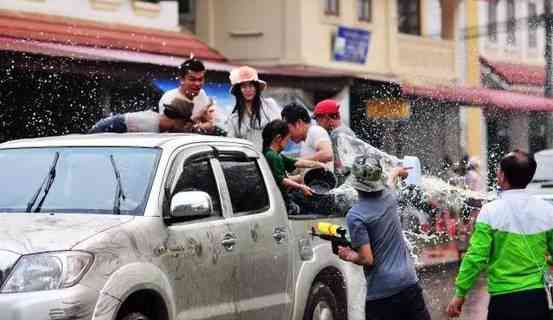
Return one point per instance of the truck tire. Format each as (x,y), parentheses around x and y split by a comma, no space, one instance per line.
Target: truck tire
(135,316)
(322,304)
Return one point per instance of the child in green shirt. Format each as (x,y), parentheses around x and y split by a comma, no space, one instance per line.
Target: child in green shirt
(275,137)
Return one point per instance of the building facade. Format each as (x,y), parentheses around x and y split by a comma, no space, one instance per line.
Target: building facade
(67,63)
(382,45)
(511,56)
(162,15)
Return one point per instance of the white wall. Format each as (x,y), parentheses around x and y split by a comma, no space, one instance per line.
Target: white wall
(166,19)
(433,27)
(500,49)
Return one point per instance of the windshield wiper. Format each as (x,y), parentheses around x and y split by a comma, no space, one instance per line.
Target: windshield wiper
(46,184)
(119,193)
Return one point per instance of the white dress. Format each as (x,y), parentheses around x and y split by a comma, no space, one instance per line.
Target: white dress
(269,111)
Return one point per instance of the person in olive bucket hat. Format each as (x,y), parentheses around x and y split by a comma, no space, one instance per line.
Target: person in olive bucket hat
(379,246)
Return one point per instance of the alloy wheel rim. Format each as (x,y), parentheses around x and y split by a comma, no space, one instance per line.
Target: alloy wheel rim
(322,311)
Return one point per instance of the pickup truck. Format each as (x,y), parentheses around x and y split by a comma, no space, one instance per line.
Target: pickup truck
(160,227)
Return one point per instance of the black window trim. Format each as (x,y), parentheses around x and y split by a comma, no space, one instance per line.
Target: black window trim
(241,156)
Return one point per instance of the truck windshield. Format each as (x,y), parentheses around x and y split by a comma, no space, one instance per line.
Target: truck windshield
(84,179)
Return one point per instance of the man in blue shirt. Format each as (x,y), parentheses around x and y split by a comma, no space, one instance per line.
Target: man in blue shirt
(379,246)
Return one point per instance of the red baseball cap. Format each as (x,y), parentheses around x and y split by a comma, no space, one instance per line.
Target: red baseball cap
(327,106)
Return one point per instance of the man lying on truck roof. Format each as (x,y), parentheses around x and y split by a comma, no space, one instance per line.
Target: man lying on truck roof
(176,117)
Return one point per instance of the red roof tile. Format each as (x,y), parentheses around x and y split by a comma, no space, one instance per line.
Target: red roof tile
(517,73)
(99,35)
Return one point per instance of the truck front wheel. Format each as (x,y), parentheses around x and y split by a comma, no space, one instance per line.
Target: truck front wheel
(322,304)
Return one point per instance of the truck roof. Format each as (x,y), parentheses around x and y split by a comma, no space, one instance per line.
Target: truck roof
(148,140)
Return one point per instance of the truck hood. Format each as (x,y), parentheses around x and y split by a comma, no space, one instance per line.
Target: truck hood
(24,233)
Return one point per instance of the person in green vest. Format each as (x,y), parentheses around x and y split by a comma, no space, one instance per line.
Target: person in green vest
(512,241)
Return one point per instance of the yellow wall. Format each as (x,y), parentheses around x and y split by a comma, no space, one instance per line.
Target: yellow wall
(298,32)
(475,132)
(318,29)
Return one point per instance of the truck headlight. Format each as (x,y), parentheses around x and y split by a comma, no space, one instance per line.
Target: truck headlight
(47,271)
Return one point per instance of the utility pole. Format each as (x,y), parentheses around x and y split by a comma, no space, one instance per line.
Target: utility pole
(548,21)
(548,89)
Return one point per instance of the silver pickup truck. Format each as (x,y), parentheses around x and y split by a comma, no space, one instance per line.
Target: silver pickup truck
(160,227)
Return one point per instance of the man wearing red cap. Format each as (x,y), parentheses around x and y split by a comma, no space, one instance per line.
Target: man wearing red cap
(327,114)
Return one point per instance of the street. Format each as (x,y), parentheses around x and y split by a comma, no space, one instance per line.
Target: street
(437,282)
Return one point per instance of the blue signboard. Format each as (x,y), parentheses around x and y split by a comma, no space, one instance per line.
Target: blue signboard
(351,45)
(220,92)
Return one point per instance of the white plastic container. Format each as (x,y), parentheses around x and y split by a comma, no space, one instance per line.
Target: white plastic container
(415,173)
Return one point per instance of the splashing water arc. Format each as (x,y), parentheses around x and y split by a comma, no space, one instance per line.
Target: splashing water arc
(416,202)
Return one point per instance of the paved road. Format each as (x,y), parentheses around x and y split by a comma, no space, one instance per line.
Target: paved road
(437,282)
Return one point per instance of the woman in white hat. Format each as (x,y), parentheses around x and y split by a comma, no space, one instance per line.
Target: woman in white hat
(251,112)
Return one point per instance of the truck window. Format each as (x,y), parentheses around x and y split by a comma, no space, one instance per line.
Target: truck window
(248,193)
(198,175)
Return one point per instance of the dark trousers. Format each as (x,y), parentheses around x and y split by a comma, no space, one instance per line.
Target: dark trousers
(406,305)
(523,305)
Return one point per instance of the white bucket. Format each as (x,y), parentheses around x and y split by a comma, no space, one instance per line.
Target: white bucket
(415,173)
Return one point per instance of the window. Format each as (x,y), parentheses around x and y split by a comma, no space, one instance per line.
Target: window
(197,175)
(187,13)
(511,22)
(409,16)
(248,193)
(532,25)
(492,21)
(332,7)
(185,6)
(364,10)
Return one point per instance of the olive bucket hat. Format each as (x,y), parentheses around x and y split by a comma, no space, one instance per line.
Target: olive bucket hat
(367,174)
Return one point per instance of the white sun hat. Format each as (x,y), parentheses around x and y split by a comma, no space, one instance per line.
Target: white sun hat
(245,74)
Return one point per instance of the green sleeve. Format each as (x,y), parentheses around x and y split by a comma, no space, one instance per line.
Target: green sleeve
(277,166)
(476,258)
(549,239)
(289,163)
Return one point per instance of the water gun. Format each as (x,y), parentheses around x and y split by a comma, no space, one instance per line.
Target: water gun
(334,233)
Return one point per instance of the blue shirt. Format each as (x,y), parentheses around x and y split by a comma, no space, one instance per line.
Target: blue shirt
(375,221)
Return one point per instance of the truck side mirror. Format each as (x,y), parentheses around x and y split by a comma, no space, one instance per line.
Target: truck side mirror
(191,204)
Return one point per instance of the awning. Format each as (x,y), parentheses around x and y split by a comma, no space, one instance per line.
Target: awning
(120,55)
(484,97)
(303,71)
(99,54)
(517,74)
(95,35)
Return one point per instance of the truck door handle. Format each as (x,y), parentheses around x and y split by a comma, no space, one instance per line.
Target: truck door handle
(279,234)
(229,241)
